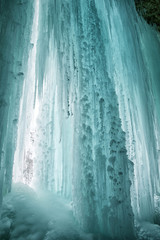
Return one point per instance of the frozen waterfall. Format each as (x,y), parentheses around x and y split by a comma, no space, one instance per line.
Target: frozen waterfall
(80,121)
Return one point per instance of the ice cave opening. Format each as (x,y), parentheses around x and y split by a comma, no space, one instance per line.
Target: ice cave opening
(80,121)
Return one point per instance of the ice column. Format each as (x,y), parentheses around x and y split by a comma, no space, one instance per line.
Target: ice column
(29,107)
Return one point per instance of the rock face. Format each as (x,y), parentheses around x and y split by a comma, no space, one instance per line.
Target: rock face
(150,10)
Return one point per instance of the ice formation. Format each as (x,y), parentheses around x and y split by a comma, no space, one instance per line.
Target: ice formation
(79,104)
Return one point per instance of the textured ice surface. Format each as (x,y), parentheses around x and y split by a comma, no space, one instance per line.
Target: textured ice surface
(148,231)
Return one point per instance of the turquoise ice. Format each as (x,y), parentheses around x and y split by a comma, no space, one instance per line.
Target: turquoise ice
(79,105)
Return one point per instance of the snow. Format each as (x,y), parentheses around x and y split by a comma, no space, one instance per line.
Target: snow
(31,216)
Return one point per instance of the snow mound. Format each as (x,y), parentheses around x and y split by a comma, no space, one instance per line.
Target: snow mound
(30,216)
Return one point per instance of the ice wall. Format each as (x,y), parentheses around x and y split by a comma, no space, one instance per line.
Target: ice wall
(15,22)
(136,76)
(107,116)
(88,123)
(70,138)
(90,163)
